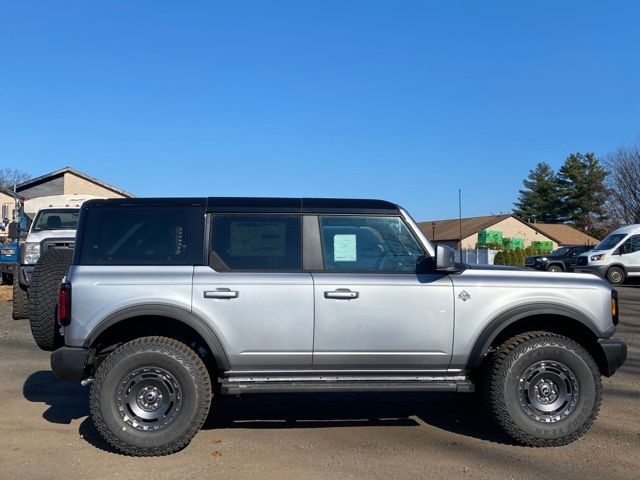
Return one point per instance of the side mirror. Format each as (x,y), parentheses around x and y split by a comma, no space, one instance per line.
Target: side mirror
(13,231)
(445,259)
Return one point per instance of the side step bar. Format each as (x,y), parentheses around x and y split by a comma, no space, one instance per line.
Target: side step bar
(238,387)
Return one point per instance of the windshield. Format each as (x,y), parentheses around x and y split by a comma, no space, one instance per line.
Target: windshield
(611,241)
(561,251)
(56,219)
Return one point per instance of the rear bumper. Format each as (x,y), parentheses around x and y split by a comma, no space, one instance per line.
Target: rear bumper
(614,354)
(69,363)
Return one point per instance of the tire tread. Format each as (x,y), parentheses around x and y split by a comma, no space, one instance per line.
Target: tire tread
(167,346)
(495,378)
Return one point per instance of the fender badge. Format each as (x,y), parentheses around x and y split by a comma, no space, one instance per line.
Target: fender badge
(464,296)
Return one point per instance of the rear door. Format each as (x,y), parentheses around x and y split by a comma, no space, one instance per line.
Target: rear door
(254,292)
(377,305)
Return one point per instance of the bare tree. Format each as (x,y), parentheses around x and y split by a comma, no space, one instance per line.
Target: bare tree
(623,203)
(9,177)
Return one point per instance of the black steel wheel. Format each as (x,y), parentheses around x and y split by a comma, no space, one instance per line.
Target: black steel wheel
(548,391)
(542,389)
(150,396)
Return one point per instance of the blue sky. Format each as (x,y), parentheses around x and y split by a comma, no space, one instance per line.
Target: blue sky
(406,101)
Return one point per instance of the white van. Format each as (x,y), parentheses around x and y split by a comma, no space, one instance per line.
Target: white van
(614,258)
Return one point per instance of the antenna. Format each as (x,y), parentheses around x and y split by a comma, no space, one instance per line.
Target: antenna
(460,216)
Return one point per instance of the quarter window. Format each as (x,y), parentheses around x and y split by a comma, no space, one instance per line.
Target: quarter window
(369,244)
(256,242)
(134,236)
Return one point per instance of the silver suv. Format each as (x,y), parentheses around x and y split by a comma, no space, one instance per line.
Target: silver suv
(169,300)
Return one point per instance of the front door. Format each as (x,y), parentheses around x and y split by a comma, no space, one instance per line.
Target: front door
(255,294)
(375,310)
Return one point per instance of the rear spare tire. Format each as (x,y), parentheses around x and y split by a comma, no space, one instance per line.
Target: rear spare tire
(43,297)
(20,300)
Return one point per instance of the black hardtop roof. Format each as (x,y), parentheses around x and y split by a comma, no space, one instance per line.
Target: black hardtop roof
(258,204)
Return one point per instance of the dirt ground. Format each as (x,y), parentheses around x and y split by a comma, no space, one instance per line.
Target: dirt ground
(45,432)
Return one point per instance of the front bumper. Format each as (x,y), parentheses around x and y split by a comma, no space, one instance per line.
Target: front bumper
(614,353)
(70,363)
(24,275)
(600,270)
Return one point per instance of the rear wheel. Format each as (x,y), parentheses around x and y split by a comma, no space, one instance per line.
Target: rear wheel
(543,389)
(43,297)
(150,396)
(616,275)
(20,301)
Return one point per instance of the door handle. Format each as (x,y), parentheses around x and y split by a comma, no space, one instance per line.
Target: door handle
(223,293)
(342,294)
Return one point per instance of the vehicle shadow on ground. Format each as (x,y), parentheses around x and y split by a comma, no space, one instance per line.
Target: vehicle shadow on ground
(461,414)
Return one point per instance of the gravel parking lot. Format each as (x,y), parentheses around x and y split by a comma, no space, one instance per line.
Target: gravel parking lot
(45,432)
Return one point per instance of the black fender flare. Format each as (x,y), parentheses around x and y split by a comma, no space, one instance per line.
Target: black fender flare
(505,319)
(176,313)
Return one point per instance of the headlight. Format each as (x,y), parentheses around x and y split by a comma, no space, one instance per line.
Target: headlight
(543,259)
(595,258)
(8,251)
(31,253)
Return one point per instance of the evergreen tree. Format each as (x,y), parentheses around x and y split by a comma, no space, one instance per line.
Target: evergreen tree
(581,181)
(539,201)
(499,258)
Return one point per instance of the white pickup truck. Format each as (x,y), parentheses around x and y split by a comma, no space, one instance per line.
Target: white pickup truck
(55,219)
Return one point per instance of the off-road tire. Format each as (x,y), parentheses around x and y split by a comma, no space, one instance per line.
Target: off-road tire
(503,377)
(166,355)
(616,276)
(20,301)
(43,297)
(555,268)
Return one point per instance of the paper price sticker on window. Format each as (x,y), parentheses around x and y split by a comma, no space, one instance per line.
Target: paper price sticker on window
(344,247)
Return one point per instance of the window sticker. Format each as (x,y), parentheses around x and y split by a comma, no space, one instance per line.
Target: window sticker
(344,247)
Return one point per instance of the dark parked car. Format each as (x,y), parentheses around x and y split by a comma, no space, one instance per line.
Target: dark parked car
(561,260)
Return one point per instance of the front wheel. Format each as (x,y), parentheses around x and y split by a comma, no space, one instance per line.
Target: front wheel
(150,396)
(555,268)
(616,276)
(543,389)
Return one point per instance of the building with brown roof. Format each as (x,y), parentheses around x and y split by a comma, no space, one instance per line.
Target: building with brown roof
(451,232)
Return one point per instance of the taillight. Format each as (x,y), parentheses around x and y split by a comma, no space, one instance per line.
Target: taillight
(64,303)
(614,307)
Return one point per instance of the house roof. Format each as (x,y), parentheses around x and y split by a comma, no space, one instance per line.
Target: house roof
(6,191)
(564,234)
(450,229)
(44,178)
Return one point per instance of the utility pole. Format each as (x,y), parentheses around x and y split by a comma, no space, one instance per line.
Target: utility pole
(460,217)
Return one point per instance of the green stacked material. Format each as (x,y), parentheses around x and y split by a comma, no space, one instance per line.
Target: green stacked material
(512,243)
(542,244)
(489,237)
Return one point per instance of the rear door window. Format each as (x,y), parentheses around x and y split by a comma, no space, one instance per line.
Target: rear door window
(139,236)
(256,242)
